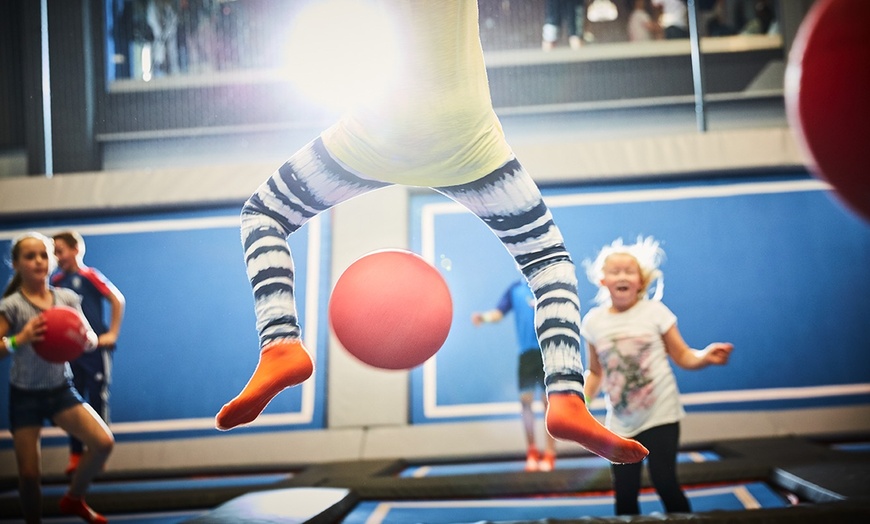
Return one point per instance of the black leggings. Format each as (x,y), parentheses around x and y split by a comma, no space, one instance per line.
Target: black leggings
(662,443)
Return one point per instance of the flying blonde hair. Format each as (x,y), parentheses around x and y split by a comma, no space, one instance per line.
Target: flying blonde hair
(649,255)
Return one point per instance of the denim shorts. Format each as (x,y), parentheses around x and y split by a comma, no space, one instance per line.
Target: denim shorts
(29,408)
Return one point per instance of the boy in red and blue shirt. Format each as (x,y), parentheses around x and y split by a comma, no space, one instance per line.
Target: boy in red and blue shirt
(92,371)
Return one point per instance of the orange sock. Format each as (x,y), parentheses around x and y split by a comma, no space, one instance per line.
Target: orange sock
(70,505)
(568,419)
(73,464)
(532,458)
(283,363)
(548,461)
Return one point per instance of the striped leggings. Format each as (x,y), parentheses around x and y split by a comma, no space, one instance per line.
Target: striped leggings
(508,202)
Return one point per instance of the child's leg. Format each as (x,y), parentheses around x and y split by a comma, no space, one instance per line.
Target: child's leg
(626,487)
(27,455)
(82,422)
(549,459)
(528,417)
(85,424)
(307,184)
(76,448)
(80,380)
(509,202)
(529,376)
(664,442)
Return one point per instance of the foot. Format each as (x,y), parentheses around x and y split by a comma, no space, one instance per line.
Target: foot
(546,45)
(73,464)
(283,364)
(548,461)
(568,419)
(532,458)
(575,42)
(70,505)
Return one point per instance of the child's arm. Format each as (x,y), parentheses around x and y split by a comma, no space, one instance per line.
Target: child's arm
(118,302)
(32,331)
(486,317)
(496,314)
(92,338)
(4,330)
(593,376)
(716,353)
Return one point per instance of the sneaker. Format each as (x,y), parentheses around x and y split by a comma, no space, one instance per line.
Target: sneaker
(532,459)
(73,464)
(77,507)
(548,462)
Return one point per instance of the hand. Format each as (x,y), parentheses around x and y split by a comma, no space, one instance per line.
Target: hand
(718,353)
(477,318)
(33,331)
(93,341)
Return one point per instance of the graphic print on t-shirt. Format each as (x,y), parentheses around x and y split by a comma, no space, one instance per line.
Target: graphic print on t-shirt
(625,361)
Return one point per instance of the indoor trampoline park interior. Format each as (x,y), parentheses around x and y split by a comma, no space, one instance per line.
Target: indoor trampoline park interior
(434,261)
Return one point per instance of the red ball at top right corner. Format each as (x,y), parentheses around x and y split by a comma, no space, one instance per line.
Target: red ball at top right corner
(827,102)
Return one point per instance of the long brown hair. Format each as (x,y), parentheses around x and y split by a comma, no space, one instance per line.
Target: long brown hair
(15,281)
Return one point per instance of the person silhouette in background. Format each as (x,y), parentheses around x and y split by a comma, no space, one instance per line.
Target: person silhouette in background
(530,369)
(632,339)
(571,14)
(92,372)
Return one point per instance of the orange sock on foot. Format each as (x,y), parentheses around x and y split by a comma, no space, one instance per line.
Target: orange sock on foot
(568,419)
(548,461)
(73,464)
(283,363)
(532,458)
(70,505)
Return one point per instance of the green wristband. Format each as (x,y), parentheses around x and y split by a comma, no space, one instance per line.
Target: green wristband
(11,346)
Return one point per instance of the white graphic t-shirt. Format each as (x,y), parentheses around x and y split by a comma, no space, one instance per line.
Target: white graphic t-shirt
(637,378)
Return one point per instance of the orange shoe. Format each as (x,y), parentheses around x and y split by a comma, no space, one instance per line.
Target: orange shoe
(73,464)
(532,458)
(548,461)
(77,507)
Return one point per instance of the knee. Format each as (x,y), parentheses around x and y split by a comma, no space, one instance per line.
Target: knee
(252,206)
(256,215)
(103,445)
(526,399)
(557,267)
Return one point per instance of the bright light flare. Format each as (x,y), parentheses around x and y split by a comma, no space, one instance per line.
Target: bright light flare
(341,53)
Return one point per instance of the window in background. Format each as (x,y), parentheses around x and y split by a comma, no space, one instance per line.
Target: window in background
(153,39)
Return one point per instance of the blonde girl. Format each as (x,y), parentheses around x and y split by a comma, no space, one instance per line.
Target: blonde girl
(631,337)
